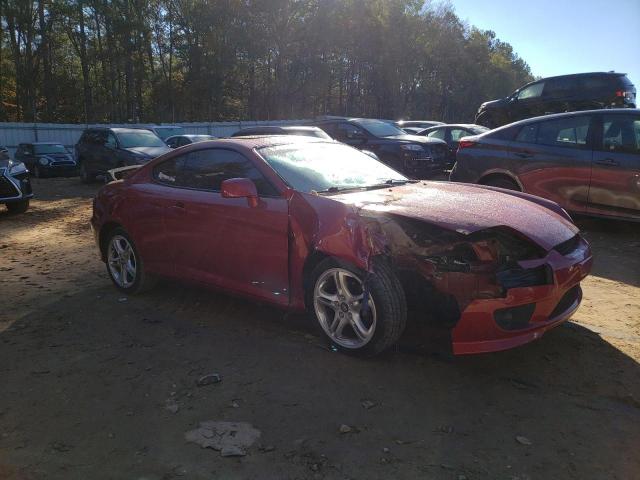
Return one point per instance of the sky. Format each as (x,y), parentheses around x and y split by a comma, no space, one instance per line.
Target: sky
(557,37)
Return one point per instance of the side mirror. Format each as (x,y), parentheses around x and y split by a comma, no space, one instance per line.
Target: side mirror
(240,188)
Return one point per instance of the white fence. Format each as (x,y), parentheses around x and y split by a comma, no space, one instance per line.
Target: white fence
(13,134)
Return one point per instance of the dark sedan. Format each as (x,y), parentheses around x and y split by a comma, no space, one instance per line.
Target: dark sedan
(418,157)
(186,139)
(588,162)
(452,133)
(47,159)
(308,223)
(302,130)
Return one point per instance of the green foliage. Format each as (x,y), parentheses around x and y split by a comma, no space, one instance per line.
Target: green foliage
(208,60)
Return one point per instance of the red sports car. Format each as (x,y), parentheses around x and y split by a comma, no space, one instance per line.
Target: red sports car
(307,223)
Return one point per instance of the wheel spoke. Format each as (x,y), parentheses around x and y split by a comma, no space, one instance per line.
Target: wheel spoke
(118,247)
(326,301)
(123,274)
(358,327)
(342,285)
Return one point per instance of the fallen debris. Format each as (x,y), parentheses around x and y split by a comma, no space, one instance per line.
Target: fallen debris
(345,428)
(209,379)
(523,440)
(231,439)
(368,404)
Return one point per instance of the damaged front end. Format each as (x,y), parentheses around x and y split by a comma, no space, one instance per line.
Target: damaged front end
(492,289)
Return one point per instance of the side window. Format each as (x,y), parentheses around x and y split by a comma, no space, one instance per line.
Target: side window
(329,129)
(559,87)
(458,133)
(207,169)
(566,132)
(182,141)
(171,172)
(347,131)
(111,140)
(532,91)
(100,137)
(172,142)
(528,134)
(621,133)
(438,133)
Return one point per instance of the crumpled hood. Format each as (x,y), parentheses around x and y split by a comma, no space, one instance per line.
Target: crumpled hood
(466,209)
(151,152)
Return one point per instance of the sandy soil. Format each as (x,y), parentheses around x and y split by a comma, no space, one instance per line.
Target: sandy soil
(97,385)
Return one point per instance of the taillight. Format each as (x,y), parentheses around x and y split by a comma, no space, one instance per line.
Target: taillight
(620,93)
(463,143)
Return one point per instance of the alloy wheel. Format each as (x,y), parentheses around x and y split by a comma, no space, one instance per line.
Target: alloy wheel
(122,261)
(339,303)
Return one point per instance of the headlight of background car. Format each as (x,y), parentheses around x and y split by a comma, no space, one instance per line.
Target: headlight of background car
(16,168)
(44,161)
(411,147)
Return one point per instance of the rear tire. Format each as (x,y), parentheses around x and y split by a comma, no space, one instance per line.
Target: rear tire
(501,182)
(340,311)
(125,266)
(18,207)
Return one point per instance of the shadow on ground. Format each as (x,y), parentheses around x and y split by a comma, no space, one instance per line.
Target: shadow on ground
(87,378)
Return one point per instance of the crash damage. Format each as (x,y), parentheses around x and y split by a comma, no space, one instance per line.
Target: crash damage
(489,285)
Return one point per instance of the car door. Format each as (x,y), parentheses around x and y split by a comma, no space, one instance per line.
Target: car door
(224,241)
(552,159)
(353,135)
(558,95)
(615,176)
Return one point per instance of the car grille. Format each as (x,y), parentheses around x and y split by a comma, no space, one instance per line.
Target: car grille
(567,247)
(7,188)
(60,163)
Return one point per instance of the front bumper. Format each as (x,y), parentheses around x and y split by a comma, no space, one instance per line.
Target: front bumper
(14,188)
(420,168)
(524,314)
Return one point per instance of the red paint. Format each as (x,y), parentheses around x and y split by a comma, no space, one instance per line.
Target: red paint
(259,249)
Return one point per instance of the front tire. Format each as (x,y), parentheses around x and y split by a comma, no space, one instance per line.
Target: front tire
(85,175)
(18,207)
(125,266)
(359,312)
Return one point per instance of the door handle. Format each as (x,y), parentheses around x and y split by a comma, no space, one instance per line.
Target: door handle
(608,162)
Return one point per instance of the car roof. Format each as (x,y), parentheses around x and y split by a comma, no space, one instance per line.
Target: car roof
(604,111)
(460,125)
(585,74)
(260,141)
(41,143)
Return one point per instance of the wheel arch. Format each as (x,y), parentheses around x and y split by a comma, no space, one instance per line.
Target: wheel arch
(486,176)
(103,236)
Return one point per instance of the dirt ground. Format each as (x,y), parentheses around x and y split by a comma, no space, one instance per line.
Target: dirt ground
(94,385)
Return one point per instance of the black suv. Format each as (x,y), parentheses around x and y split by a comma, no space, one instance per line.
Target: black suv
(418,157)
(102,149)
(567,93)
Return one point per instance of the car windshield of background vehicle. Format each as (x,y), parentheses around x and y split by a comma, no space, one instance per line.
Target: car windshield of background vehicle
(324,166)
(531,91)
(53,148)
(379,128)
(139,139)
